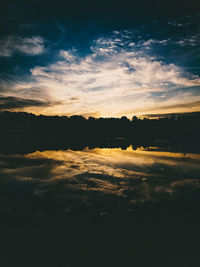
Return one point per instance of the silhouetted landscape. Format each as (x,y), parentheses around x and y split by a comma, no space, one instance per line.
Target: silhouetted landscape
(112,189)
(28,132)
(99,133)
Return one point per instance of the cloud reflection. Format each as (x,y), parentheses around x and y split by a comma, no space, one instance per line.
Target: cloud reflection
(116,170)
(104,180)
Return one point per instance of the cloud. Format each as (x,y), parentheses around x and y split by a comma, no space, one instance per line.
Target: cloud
(193,40)
(189,32)
(68,55)
(173,105)
(149,42)
(111,76)
(11,102)
(29,46)
(174,23)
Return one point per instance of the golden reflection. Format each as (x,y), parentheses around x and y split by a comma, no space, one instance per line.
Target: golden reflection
(115,156)
(150,151)
(115,162)
(145,174)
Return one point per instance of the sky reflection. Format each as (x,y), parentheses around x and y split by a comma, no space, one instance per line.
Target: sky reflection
(65,194)
(151,173)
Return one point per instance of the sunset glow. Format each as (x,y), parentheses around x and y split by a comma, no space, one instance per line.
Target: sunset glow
(128,72)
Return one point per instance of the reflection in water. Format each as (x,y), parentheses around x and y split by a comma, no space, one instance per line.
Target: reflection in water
(70,206)
(108,178)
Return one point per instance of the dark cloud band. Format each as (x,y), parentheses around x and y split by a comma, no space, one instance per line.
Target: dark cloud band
(11,102)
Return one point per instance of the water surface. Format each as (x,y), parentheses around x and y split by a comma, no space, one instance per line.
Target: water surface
(73,199)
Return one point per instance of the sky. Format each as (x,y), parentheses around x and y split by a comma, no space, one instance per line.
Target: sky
(100,58)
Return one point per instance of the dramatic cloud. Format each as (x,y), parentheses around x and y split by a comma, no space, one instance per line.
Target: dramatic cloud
(11,102)
(116,68)
(119,71)
(30,46)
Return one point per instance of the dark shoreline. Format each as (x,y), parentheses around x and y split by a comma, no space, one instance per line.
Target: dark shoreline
(51,223)
(27,143)
(25,132)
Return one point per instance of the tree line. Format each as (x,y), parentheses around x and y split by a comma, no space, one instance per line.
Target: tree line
(171,127)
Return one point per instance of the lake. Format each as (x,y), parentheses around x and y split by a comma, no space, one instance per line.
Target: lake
(100,207)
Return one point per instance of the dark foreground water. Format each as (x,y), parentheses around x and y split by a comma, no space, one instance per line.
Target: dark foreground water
(100,207)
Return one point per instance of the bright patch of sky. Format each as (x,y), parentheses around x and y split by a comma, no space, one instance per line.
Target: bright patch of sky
(123,73)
